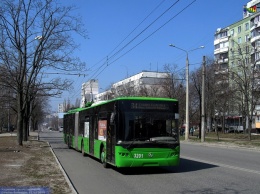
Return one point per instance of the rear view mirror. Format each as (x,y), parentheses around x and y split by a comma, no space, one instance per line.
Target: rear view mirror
(112,117)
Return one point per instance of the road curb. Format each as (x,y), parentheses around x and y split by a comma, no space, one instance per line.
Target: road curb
(74,191)
(223,145)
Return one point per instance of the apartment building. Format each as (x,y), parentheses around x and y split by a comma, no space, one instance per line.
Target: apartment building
(89,90)
(237,46)
(139,84)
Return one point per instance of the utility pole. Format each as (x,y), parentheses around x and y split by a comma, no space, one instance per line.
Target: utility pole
(203,102)
(187,127)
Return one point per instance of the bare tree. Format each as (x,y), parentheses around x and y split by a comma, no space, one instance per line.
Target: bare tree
(173,87)
(36,37)
(210,94)
(39,111)
(244,75)
(210,91)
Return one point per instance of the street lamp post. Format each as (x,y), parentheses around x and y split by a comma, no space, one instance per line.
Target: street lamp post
(187,87)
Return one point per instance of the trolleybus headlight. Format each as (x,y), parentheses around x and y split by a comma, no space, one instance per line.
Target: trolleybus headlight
(123,154)
(174,154)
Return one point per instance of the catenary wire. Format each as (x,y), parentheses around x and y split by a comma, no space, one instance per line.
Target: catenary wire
(106,64)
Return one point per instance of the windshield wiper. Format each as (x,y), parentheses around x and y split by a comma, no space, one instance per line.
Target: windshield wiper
(134,140)
(162,139)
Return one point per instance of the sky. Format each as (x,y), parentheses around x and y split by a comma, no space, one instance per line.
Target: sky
(126,37)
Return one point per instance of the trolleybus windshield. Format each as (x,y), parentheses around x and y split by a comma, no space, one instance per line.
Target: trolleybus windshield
(148,123)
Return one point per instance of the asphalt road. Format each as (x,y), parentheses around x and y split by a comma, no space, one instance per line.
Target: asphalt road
(203,169)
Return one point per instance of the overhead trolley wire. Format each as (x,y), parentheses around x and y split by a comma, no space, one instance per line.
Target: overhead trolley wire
(109,58)
(144,30)
(136,28)
(107,63)
(154,31)
(130,33)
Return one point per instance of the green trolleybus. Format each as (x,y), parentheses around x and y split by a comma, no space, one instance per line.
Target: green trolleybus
(126,131)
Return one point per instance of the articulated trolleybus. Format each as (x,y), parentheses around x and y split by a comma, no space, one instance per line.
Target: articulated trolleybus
(126,131)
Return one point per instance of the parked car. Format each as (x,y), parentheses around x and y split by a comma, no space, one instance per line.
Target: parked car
(61,129)
(235,129)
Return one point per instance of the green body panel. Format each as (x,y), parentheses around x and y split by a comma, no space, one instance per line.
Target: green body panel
(73,142)
(138,157)
(86,144)
(79,142)
(97,147)
(64,135)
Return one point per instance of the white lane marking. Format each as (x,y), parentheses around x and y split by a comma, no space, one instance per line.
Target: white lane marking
(222,165)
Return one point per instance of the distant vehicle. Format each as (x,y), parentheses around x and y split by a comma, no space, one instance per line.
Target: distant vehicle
(126,131)
(235,129)
(61,129)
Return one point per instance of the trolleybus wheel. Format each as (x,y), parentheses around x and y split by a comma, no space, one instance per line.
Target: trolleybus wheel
(68,141)
(82,149)
(103,158)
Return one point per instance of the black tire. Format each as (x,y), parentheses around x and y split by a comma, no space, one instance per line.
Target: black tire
(103,158)
(68,142)
(82,149)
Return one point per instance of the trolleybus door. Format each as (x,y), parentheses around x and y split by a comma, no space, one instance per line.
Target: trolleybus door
(76,132)
(91,135)
(110,145)
(113,143)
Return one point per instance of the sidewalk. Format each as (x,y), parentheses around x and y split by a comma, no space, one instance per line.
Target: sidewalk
(33,164)
(5,134)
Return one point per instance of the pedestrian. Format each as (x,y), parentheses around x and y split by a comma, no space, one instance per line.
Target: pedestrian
(182,131)
(191,131)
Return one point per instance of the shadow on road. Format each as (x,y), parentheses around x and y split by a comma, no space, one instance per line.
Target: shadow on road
(185,166)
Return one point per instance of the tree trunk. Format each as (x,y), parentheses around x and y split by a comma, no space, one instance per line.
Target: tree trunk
(26,122)
(249,129)
(19,120)
(223,123)
(25,129)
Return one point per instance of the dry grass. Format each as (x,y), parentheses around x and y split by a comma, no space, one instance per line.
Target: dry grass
(30,165)
(238,139)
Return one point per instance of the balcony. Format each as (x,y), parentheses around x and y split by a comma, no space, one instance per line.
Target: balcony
(221,72)
(219,61)
(220,50)
(219,40)
(255,38)
(254,23)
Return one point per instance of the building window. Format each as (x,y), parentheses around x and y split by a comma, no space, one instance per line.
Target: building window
(217,46)
(257,56)
(246,26)
(247,60)
(257,43)
(232,32)
(239,40)
(247,38)
(247,49)
(232,64)
(232,43)
(239,29)
(221,35)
